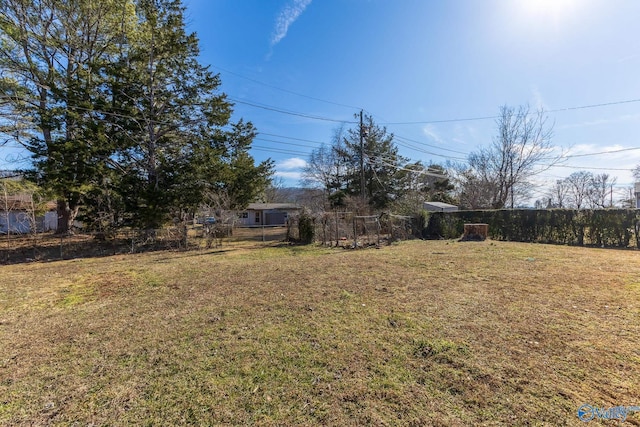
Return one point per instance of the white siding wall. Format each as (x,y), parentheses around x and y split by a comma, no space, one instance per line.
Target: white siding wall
(50,222)
(18,222)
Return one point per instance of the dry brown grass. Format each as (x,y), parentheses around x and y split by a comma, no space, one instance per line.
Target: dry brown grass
(420,333)
(15,249)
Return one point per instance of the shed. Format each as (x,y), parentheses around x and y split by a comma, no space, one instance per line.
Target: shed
(438,207)
(17,214)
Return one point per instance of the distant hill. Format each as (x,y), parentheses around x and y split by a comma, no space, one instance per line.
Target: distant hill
(311,198)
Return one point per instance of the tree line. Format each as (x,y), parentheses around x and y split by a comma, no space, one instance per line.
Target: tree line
(361,170)
(126,127)
(362,164)
(581,190)
(118,114)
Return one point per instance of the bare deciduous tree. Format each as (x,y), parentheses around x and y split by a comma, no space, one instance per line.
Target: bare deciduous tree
(474,188)
(579,184)
(601,194)
(325,168)
(559,194)
(274,192)
(626,197)
(521,150)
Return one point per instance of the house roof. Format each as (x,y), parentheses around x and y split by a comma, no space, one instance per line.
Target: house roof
(272,206)
(439,206)
(22,202)
(17,202)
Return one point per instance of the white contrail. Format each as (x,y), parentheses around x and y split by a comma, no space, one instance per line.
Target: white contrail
(287,17)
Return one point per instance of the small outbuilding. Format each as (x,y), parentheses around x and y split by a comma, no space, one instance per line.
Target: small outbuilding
(264,214)
(18,215)
(439,207)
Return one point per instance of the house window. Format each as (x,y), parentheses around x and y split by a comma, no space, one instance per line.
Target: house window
(244,215)
(257,217)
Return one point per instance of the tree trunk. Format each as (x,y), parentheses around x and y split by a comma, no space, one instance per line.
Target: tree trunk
(66,216)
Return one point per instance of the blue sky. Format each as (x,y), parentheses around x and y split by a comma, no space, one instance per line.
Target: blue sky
(429,61)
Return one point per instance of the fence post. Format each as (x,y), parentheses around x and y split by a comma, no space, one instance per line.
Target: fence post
(337,230)
(355,233)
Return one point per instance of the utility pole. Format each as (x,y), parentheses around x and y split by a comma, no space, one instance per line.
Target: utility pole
(611,194)
(362,193)
(511,184)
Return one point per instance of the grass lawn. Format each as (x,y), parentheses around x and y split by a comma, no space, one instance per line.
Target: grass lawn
(418,333)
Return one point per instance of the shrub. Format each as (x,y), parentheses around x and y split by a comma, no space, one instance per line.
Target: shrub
(306,228)
(603,227)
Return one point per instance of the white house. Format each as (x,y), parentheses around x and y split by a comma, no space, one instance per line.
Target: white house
(259,214)
(637,194)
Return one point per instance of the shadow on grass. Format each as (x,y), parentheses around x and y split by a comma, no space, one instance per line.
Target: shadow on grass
(52,248)
(194,252)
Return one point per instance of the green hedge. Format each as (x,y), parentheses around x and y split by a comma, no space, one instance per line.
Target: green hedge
(603,227)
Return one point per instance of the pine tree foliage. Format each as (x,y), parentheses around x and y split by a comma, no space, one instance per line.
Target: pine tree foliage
(381,161)
(361,161)
(117,111)
(362,166)
(51,53)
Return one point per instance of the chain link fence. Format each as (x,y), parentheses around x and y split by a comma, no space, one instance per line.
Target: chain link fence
(336,229)
(348,230)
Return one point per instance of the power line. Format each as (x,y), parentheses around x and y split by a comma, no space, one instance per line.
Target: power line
(281,142)
(286,90)
(398,137)
(604,104)
(430,122)
(570,156)
(277,150)
(557,110)
(590,167)
(290,137)
(402,168)
(402,141)
(392,159)
(283,111)
(292,113)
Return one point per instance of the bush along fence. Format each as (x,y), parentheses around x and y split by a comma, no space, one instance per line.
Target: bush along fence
(611,228)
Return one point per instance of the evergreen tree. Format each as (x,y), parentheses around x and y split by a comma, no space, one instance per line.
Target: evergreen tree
(165,109)
(377,158)
(51,54)
(118,112)
(173,148)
